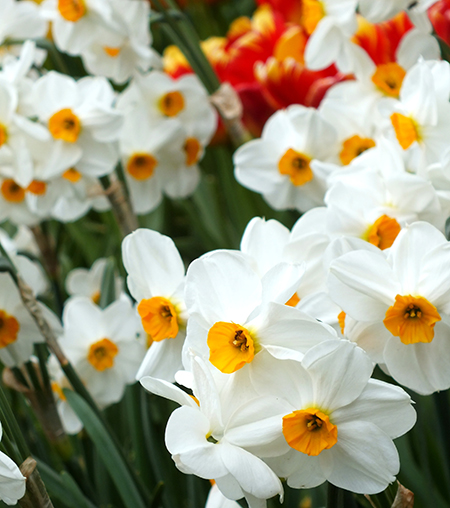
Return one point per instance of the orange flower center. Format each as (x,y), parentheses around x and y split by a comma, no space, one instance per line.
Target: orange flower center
(101,354)
(65,125)
(9,329)
(96,297)
(3,135)
(12,192)
(57,389)
(309,431)
(412,318)
(231,346)
(37,187)
(171,103)
(389,78)
(406,130)
(354,146)
(293,300)
(112,52)
(72,175)
(141,166)
(312,12)
(71,10)
(296,166)
(192,148)
(341,320)
(159,318)
(383,232)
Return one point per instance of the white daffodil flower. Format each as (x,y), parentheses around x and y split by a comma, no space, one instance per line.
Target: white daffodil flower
(218,440)
(341,423)
(102,345)
(156,281)
(401,304)
(81,120)
(13,483)
(119,51)
(281,165)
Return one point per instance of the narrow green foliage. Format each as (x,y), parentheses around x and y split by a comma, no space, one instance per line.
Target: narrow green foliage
(108,287)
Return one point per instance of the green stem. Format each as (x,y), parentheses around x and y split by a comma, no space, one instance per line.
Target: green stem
(335,498)
(16,433)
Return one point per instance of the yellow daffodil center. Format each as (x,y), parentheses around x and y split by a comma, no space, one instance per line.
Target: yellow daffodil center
(3,135)
(412,318)
(406,130)
(12,192)
(312,12)
(65,125)
(159,318)
(309,431)
(293,300)
(71,10)
(9,329)
(192,149)
(96,297)
(296,166)
(112,52)
(389,78)
(383,232)
(341,320)
(101,354)
(230,346)
(141,166)
(72,175)
(354,146)
(37,187)
(171,103)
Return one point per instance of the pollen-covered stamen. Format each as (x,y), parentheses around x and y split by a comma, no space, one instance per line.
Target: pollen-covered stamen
(231,346)
(72,10)
(193,150)
(412,318)
(297,166)
(72,175)
(389,78)
(12,192)
(309,431)
(171,103)
(3,135)
(159,318)
(353,147)
(312,12)
(65,125)
(9,329)
(383,232)
(141,166)
(101,354)
(406,130)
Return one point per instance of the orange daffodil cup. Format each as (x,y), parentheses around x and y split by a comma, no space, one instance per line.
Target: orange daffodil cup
(400,301)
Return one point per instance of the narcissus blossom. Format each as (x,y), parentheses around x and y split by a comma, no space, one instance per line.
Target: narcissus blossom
(13,483)
(401,304)
(156,280)
(341,424)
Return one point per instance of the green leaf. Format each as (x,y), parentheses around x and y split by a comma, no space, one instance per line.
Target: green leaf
(108,287)
(107,451)
(63,487)
(447,229)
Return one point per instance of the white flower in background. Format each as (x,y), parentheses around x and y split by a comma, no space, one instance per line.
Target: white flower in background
(13,484)
(102,345)
(164,98)
(152,159)
(401,301)
(155,279)
(220,440)
(19,20)
(330,24)
(119,51)
(88,282)
(75,23)
(217,500)
(341,423)
(81,120)
(281,165)
(18,331)
(421,118)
